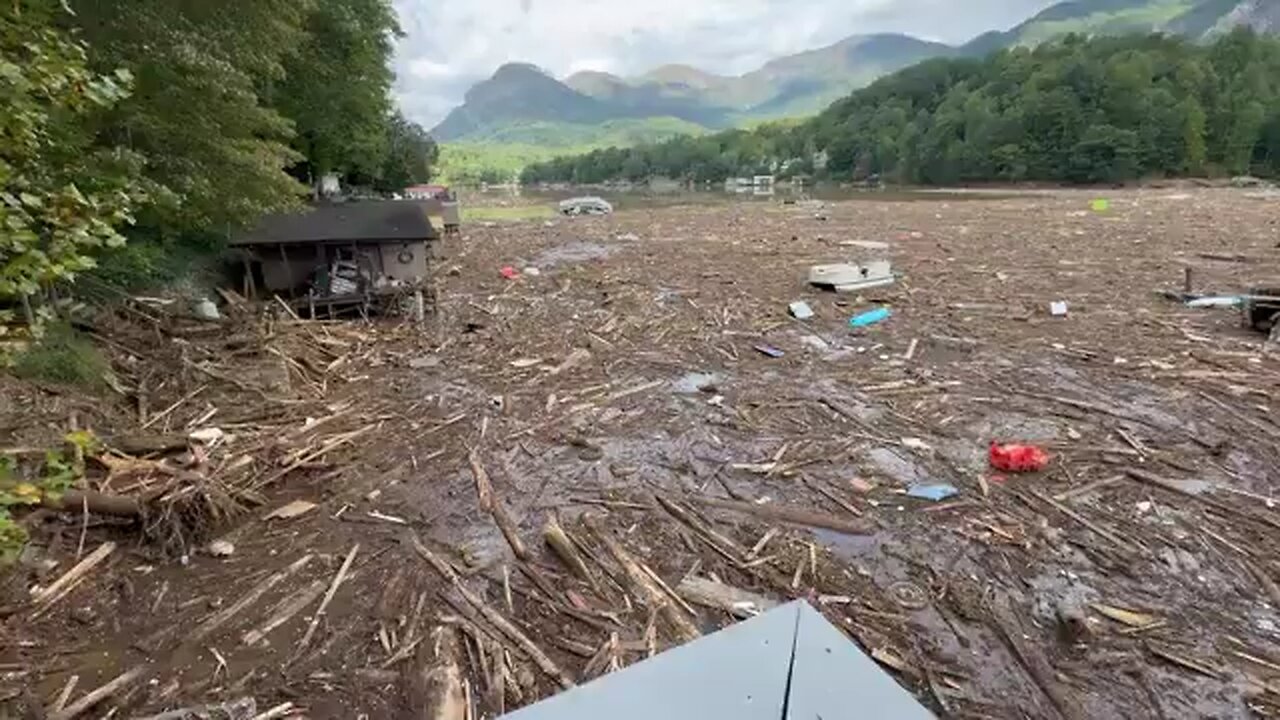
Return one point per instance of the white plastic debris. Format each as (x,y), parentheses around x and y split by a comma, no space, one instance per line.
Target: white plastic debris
(800,310)
(589,205)
(1058,309)
(204,309)
(207,436)
(220,548)
(424,362)
(865,244)
(292,510)
(848,277)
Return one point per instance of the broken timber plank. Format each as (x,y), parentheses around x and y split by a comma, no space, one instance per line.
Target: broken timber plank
(643,586)
(793,516)
(737,602)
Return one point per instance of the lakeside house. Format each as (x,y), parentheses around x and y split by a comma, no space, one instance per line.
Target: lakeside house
(340,254)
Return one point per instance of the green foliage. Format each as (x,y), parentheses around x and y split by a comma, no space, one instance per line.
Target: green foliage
(58,473)
(546,134)
(146,263)
(337,84)
(184,119)
(63,356)
(60,202)
(1110,17)
(213,153)
(506,151)
(410,156)
(700,158)
(1077,110)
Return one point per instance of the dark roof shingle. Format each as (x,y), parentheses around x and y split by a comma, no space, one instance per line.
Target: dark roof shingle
(355,221)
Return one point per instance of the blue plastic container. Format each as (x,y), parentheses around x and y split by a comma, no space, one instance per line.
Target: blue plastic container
(871,317)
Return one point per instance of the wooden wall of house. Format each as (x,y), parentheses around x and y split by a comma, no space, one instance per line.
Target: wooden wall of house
(398,261)
(404,262)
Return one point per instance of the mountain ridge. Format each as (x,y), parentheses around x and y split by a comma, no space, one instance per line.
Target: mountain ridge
(805,82)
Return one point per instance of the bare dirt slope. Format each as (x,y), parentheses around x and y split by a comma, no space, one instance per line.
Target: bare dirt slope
(1136,577)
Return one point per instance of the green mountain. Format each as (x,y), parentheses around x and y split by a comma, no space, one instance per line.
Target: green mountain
(521,104)
(518,94)
(798,84)
(1091,17)
(1215,17)
(1088,110)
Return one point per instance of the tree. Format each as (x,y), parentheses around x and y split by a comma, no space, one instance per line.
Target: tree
(337,87)
(1104,154)
(1194,149)
(409,156)
(1077,109)
(213,154)
(60,202)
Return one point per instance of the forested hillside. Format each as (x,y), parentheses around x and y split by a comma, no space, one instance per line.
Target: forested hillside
(1075,110)
(170,121)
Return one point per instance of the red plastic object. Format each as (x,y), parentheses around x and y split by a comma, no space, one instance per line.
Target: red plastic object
(1018,458)
(509,273)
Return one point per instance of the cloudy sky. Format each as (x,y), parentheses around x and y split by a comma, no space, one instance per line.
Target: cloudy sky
(452,44)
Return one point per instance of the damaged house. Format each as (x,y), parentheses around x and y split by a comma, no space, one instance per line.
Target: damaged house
(339,257)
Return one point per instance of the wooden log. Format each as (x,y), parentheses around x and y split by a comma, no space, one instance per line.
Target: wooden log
(238,708)
(792,516)
(58,589)
(148,444)
(435,688)
(1273,590)
(530,648)
(696,525)
(96,696)
(1036,666)
(490,504)
(96,502)
(328,596)
(735,601)
(558,540)
(643,587)
(255,593)
(285,612)
(1167,484)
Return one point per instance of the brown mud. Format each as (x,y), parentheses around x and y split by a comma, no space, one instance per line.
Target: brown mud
(619,389)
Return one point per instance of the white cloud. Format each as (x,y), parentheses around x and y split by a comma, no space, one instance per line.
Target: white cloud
(450,46)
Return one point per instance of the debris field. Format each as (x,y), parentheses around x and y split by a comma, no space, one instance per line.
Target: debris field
(588,456)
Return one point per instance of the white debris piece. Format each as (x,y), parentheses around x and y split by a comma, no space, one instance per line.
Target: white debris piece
(220,548)
(292,510)
(204,309)
(207,436)
(587,205)
(848,277)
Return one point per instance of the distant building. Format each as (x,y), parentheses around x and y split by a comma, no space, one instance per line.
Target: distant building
(426,192)
(440,202)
